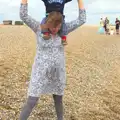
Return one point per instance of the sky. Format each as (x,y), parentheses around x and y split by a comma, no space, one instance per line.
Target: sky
(95,9)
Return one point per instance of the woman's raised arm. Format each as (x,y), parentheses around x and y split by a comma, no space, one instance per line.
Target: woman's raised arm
(71,26)
(28,20)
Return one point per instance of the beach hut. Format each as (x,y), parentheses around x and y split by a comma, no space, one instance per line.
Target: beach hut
(7,22)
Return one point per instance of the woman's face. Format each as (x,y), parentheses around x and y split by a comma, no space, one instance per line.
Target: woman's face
(54,30)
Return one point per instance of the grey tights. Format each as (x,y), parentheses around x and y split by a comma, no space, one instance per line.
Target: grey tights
(32,101)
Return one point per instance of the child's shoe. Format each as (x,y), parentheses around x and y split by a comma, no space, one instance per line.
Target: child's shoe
(46,35)
(64,41)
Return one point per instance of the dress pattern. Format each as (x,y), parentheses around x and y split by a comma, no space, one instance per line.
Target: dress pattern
(48,74)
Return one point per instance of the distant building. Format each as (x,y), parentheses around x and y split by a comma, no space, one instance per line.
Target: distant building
(7,22)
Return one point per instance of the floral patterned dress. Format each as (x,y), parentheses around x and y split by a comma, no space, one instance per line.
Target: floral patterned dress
(48,74)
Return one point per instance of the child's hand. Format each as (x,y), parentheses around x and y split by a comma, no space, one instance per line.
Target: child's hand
(49,25)
(46,26)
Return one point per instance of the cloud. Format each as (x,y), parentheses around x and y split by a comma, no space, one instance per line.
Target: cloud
(104,6)
(9,9)
(13,6)
(36,9)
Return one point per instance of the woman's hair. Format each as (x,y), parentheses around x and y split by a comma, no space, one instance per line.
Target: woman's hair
(54,18)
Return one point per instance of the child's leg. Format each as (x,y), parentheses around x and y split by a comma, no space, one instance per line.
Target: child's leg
(43,22)
(63,32)
(45,33)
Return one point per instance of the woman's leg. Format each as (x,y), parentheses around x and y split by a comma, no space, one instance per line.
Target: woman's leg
(27,109)
(117,31)
(58,106)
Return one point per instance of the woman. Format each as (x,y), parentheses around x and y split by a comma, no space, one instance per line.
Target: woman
(101,28)
(117,24)
(48,70)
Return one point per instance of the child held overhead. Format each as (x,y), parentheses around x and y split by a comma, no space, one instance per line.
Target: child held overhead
(58,6)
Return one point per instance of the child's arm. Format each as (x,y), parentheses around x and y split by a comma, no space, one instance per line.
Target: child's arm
(71,26)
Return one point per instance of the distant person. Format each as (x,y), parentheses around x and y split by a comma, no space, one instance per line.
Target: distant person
(101,28)
(101,22)
(117,25)
(106,25)
(112,32)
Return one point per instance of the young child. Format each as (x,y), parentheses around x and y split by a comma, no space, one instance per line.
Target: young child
(112,32)
(55,5)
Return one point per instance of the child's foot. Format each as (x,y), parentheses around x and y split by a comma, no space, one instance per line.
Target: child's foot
(46,36)
(64,41)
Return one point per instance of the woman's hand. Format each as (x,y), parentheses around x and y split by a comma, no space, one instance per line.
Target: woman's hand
(80,4)
(24,1)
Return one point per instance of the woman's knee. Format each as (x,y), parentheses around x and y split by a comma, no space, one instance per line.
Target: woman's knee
(57,97)
(32,101)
